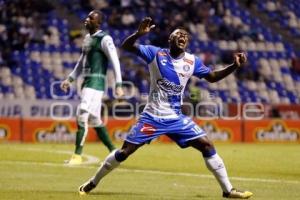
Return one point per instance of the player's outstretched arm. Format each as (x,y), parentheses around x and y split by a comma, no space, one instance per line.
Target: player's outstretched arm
(144,28)
(239,60)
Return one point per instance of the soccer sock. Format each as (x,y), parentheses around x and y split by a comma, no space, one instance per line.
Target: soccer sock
(107,166)
(216,166)
(104,137)
(80,136)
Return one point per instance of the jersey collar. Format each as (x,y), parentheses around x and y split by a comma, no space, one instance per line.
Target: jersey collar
(179,58)
(97,32)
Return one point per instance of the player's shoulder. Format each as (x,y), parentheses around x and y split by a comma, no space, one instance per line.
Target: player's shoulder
(189,58)
(189,55)
(102,34)
(151,48)
(161,51)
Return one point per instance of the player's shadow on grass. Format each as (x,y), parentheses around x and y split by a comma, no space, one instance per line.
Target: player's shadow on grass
(123,194)
(116,194)
(201,196)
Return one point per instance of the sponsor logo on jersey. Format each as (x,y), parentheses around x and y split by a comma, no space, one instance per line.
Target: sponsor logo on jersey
(59,132)
(277,132)
(148,129)
(188,61)
(169,87)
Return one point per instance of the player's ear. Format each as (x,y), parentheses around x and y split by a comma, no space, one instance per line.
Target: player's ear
(170,38)
(99,19)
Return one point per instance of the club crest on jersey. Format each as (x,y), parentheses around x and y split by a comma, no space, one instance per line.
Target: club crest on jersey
(148,129)
(169,87)
(186,68)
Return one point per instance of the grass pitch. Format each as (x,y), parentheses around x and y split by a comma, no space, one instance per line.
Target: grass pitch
(156,171)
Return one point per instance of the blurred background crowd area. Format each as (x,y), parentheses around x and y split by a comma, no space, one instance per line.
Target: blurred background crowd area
(40,42)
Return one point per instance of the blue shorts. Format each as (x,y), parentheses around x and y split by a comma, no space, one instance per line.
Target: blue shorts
(181,130)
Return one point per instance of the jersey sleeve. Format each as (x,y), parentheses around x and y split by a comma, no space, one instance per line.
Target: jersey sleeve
(147,52)
(109,49)
(77,69)
(200,70)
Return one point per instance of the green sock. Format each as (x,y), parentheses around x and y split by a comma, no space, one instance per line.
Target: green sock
(104,137)
(79,137)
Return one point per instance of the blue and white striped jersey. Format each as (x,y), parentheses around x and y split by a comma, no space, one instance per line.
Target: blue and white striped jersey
(168,77)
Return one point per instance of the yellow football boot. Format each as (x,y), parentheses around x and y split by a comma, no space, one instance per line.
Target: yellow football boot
(237,194)
(75,160)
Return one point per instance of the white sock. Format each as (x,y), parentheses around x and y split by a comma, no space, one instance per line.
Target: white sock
(107,166)
(216,166)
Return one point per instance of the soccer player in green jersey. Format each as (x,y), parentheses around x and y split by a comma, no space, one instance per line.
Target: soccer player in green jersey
(97,50)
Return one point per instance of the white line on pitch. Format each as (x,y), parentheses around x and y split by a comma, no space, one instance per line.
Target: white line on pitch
(89,158)
(154,172)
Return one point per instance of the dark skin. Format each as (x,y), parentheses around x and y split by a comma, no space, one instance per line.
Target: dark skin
(178,42)
(92,22)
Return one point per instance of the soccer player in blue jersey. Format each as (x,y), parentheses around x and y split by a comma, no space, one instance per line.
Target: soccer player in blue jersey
(170,70)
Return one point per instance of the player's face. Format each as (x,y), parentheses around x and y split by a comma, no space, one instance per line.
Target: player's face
(92,21)
(179,38)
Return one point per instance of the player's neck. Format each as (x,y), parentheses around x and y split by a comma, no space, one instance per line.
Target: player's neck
(92,31)
(176,53)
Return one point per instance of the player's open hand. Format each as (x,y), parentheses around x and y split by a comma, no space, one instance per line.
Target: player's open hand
(145,26)
(240,59)
(119,92)
(65,85)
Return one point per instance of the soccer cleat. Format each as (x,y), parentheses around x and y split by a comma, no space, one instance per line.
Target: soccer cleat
(237,194)
(75,160)
(85,188)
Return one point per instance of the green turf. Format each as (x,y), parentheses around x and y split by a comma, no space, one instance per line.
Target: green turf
(156,171)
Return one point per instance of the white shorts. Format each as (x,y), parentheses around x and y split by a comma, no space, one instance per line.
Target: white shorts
(91,101)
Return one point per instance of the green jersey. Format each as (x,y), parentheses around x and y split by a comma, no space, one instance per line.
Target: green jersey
(95,62)
(97,50)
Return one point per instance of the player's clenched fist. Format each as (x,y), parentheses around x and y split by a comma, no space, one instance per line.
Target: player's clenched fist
(240,59)
(65,85)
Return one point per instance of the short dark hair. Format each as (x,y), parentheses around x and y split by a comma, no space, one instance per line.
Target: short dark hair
(101,16)
(182,28)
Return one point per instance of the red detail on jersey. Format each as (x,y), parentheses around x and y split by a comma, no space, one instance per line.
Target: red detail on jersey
(161,53)
(148,129)
(188,61)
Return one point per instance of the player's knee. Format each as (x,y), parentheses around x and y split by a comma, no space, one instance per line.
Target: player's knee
(127,150)
(82,117)
(121,155)
(95,122)
(207,149)
(208,152)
